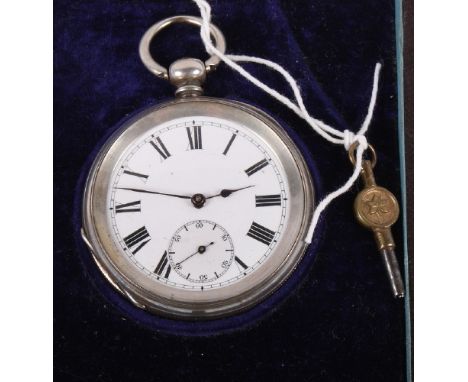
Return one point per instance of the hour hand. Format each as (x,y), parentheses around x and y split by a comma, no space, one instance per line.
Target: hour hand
(226,191)
(153,192)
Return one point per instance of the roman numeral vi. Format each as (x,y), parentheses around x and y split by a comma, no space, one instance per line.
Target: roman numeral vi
(240,262)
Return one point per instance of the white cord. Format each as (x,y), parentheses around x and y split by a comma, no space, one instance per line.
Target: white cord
(345,138)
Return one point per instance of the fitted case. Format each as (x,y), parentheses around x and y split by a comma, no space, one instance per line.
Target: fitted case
(336,320)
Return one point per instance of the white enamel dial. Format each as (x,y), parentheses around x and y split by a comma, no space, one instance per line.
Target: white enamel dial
(198,208)
(244,199)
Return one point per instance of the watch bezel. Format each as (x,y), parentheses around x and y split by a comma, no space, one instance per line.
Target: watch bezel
(183,304)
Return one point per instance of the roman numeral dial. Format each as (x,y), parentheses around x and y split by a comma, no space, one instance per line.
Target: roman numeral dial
(163,267)
(162,232)
(267,200)
(128,207)
(159,146)
(261,233)
(137,240)
(194,135)
(229,144)
(256,167)
(136,174)
(240,262)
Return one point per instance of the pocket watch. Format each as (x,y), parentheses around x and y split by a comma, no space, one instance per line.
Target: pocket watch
(197,208)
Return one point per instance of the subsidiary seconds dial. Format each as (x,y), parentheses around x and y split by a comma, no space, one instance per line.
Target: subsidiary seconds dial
(201,251)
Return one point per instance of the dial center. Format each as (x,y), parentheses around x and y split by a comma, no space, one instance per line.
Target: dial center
(198,200)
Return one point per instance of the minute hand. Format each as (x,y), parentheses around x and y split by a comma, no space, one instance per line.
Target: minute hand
(153,192)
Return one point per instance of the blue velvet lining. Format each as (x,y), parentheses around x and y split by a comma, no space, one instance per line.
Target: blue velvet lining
(339,322)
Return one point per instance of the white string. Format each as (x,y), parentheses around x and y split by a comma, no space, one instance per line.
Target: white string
(345,138)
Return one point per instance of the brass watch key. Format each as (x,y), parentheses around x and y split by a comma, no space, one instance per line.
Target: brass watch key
(377,209)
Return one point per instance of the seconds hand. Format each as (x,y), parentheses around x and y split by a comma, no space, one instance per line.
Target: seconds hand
(201,249)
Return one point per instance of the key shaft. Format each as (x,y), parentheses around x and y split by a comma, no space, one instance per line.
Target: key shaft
(393,272)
